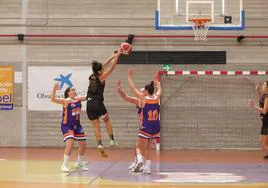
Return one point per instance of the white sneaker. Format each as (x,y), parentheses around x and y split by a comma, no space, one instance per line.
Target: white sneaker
(81,165)
(64,168)
(101,150)
(113,143)
(147,170)
(138,167)
(132,166)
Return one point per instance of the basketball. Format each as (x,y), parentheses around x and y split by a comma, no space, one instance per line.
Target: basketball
(126,48)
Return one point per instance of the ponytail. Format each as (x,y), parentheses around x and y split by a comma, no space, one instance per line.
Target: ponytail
(150,88)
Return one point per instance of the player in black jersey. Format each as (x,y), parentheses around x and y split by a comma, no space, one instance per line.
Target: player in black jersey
(262,109)
(95,105)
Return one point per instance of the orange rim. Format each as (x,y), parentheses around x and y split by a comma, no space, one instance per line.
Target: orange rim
(200,21)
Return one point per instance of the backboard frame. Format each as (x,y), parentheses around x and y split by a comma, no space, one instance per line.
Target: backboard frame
(218,27)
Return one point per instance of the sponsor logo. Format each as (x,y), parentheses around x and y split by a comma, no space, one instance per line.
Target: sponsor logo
(6,106)
(43,95)
(5,98)
(46,95)
(6,84)
(39,90)
(6,88)
(64,80)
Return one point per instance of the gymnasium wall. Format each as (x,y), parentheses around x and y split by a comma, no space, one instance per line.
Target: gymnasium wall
(22,127)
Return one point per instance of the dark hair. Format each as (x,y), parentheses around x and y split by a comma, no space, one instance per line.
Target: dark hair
(266,83)
(96,67)
(150,88)
(66,92)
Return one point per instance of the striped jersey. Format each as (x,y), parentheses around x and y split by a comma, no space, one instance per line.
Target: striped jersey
(150,112)
(71,113)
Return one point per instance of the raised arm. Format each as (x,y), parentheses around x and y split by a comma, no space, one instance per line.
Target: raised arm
(132,86)
(53,96)
(108,72)
(157,86)
(258,93)
(122,93)
(82,98)
(108,61)
(159,90)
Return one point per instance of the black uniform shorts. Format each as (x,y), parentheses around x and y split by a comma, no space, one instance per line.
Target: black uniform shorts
(264,127)
(95,109)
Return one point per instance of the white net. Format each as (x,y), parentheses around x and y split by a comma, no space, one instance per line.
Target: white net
(200,29)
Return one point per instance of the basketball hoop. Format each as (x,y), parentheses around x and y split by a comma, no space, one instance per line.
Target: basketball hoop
(200,27)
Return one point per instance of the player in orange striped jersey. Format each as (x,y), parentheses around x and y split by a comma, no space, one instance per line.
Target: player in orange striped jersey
(71,128)
(150,104)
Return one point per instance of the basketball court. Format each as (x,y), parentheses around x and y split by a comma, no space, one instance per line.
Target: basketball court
(34,167)
(196,167)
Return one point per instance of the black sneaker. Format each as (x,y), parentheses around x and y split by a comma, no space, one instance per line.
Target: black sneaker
(130,38)
(265,157)
(138,167)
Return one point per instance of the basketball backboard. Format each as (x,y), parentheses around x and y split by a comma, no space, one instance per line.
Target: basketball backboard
(224,14)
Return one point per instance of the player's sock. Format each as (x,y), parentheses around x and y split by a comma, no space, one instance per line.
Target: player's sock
(66,159)
(147,168)
(64,166)
(99,143)
(135,159)
(148,163)
(111,137)
(139,158)
(80,158)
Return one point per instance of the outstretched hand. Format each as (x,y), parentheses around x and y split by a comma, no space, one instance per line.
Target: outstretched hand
(56,86)
(130,72)
(251,103)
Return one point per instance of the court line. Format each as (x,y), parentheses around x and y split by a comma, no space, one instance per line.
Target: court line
(105,170)
(73,169)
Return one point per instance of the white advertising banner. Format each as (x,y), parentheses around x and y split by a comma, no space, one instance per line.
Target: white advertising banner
(41,80)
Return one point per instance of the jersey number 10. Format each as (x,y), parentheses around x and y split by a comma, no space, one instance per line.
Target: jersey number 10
(153,115)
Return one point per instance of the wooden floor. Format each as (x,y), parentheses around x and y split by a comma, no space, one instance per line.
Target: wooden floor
(39,168)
